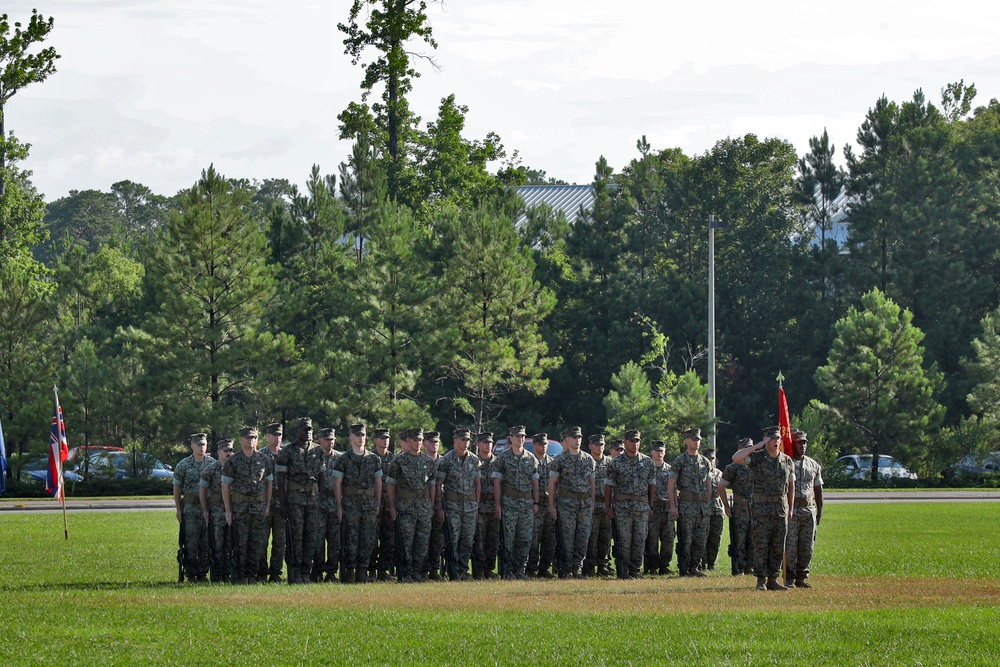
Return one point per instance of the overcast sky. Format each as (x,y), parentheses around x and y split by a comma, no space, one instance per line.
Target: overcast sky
(154,91)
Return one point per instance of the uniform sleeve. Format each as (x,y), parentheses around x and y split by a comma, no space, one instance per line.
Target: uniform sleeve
(554,467)
(394,472)
(819,475)
(442,468)
(498,468)
(611,476)
(228,472)
(675,469)
(179,473)
(281,461)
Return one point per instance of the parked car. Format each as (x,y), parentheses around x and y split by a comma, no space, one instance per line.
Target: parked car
(40,474)
(977,465)
(859,466)
(118,465)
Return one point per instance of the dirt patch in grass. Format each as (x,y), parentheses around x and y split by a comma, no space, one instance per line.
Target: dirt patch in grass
(648,596)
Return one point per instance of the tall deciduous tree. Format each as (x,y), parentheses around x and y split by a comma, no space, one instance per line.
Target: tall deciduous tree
(388,27)
(21,66)
(877,389)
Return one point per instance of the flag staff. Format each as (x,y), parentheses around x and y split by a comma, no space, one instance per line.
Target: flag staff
(61,428)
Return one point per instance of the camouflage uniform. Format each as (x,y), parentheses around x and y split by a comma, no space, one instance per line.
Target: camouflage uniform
(274,531)
(187,476)
(358,473)
(302,465)
(458,476)
(327,556)
(218,535)
(383,555)
(575,506)
(690,475)
(716,522)
(771,480)
(487,538)
(660,541)
(630,478)
(435,544)
(247,477)
(516,473)
(802,527)
(599,545)
(542,551)
(739,478)
(412,476)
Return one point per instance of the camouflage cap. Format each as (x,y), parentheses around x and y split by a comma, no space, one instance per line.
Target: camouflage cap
(485,436)
(632,434)
(799,436)
(517,430)
(223,444)
(415,433)
(744,442)
(304,422)
(540,438)
(657,446)
(249,432)
(358,429)
(617,444)
(596,439)
(433,436)
(572,432)
(772,432)
(328,433)
(462,434)
(693,434)
(274,428)
(380,432)
(708,453)
(199,438)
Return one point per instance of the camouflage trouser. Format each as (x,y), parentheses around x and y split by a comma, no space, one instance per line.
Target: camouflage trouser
(248,537)
(486,542)
(384,553)
(741,536)
(462,525)
(414,517)
(542,550)
(599,545)
(632,525)
(692,536)
(359,532)
(196,541)
(768,543)
(435,545)
(302,525)
(660,539)
(327,556)
(518,527)
(716,523)
(274,528)
(219,547)
(575,521)
(799,544)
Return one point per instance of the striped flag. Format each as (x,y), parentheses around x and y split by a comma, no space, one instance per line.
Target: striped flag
(3,463)
(58,452)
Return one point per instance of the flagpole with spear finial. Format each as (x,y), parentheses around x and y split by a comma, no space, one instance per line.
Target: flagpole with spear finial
(61,437)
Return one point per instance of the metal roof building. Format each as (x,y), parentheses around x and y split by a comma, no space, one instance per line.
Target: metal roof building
(570,199)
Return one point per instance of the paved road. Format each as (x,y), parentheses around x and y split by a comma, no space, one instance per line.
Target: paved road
(167,504)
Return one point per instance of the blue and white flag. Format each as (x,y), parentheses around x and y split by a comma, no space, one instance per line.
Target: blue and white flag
(3,463)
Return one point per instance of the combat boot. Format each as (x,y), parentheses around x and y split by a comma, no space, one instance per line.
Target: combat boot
(589,571)
(761,585)
(577,573)
(274,579)
(789,583)
(664,570)
(383,575)
(433,575)
(773,585)
(802,583)
(359,576)
(544,574)
(604,571)
(347,576)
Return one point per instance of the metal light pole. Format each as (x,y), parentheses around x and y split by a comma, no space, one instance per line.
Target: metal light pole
(712,226)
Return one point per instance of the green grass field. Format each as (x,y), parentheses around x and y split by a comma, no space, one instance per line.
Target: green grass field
(908,584)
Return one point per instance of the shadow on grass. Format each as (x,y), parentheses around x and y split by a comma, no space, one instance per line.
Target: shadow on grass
(101,586)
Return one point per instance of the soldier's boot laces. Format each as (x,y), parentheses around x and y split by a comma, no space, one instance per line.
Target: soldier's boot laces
(761,583)
(773,585)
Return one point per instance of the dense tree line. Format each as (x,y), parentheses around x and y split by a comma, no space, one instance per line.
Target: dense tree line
(403,290)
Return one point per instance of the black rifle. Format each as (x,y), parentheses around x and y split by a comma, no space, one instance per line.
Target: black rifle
(734,552)
(616,550)
(450,555)
(181,552)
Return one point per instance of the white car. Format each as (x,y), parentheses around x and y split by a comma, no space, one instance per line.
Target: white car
(859,466)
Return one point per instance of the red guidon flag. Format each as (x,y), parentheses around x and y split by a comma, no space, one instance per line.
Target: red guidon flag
(784,422)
